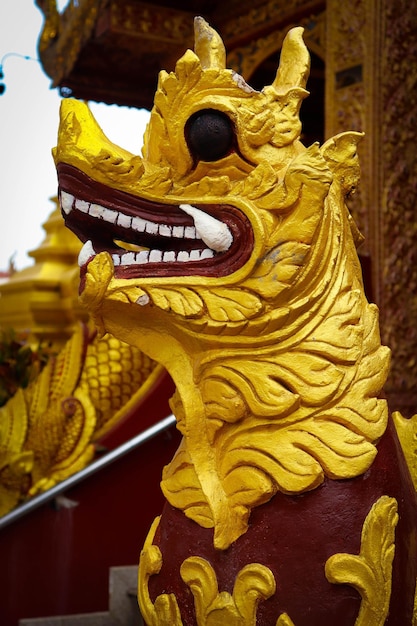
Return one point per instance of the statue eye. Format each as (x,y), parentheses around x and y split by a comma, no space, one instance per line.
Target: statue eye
(209,134)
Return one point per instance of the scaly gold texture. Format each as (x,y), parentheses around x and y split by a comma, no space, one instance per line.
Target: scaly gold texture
(47,431)
(370,572)
(278,362)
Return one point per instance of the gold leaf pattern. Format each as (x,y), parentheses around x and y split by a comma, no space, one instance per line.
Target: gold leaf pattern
(339,336)
(254,583)
(231,305)
(184,302)
(278,268)
(407,433)
(370,572)
(165,611)
(277,384)
(180,484)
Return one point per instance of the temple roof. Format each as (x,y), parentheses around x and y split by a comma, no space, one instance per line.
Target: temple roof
(112,50)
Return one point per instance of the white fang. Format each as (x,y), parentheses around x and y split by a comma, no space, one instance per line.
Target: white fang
(215,234)
(67,201)
(86,252)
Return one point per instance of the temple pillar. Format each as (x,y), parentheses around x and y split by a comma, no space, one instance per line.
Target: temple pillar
(371,87)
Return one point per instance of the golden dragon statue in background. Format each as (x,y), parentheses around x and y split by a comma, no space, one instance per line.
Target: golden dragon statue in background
(49,430)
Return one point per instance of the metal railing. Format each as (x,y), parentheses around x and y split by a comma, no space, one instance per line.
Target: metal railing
(91,469)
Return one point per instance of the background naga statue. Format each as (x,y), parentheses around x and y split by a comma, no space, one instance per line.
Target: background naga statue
(227,253)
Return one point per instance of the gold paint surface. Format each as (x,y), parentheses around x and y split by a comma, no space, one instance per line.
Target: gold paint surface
(407,434)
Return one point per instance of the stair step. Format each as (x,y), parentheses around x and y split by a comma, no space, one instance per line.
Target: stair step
(123,607)
(82,619)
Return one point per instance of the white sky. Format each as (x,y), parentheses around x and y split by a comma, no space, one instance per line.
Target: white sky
(29,111)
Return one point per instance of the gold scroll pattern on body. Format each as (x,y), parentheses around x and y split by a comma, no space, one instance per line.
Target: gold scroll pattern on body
(369,572)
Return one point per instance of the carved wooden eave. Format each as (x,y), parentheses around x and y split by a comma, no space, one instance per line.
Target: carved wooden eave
(112,50)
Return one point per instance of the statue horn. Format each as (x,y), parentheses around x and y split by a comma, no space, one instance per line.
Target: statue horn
(208,45)
(294,65)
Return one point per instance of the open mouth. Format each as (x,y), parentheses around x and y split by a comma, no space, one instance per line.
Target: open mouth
(146,238)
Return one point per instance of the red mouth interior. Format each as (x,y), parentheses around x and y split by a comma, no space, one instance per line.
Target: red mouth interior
(161,220)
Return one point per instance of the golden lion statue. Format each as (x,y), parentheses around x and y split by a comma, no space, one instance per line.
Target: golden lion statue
(227,253)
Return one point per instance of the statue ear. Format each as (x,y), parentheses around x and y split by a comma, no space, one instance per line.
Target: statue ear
(294,66)
(208,45)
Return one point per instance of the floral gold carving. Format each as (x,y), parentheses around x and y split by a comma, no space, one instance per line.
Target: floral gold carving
(370,572)
(254,583)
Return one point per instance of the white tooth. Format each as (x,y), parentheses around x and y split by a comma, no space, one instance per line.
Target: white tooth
(169,256)
(178,231)
(151,228)
(183,256)
(195,255)
(128,258)
(190,232)
(66,202)
(82,206)
(207,254)
(109,216)
(155,256)
(124,220)
(86,252)
(215,234)
(116,259)
(165,231)
(143,300)
(95,210)
(142,256)
(138,224)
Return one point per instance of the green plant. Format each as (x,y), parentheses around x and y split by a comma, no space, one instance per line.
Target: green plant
(20,362)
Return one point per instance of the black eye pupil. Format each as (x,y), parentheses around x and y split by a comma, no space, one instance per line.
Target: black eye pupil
(209,135)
